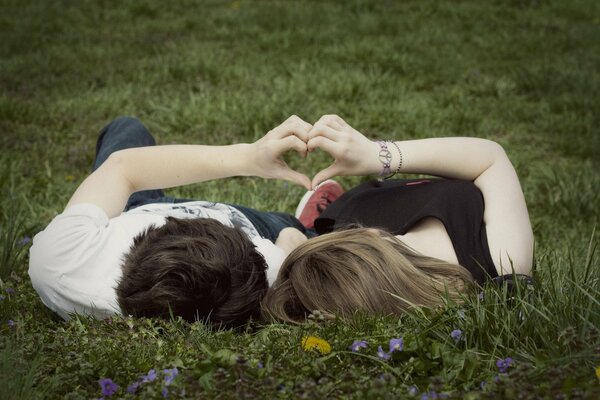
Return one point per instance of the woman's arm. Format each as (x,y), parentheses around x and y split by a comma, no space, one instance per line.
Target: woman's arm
(481,161)
(157,167)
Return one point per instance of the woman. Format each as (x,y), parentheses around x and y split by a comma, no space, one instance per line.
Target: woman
(422,238)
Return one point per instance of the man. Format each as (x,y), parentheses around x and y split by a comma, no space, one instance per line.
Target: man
(164,256)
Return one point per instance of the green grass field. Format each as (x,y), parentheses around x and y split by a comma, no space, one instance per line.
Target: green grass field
(525,73)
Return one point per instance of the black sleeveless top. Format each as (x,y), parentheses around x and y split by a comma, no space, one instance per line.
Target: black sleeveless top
(397,205)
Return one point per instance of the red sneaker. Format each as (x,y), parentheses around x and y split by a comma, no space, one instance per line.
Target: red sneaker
(314,202)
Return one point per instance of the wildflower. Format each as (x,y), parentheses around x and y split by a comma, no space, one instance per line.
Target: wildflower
(150,377)
(357,345)
(2,297)
(108,386)
(382,354)
(396,345)
(316,343)
(413,390)
(165,392)
(10,323)
(259,364)
(133,387)
(10,290)
(24,241)
(598,372)
(170,375)
(456,335)
(504,364)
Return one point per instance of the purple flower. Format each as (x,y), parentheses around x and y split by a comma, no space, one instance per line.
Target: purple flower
(10,290)
(170,375)
(482,384)
(150,377)
(24,241)
(165,392)
(2,297)
(429,395)
(396,345)
(413,390)
(259,365)
(133,387)
(357,345)
(456,335)
(504,365)
(382,354)
(10,323)
(108,386)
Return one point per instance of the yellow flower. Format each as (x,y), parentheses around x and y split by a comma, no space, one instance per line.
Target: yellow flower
(598,372)
(316,343)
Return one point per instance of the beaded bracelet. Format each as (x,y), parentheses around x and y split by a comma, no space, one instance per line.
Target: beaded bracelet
(399,163)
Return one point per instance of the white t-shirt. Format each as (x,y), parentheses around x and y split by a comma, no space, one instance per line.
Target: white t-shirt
(75,263)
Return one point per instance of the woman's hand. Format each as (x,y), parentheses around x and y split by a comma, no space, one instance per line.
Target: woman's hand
(353,153)
(292,134)
(289,239)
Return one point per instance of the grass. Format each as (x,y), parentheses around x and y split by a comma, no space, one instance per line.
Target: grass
(523,73)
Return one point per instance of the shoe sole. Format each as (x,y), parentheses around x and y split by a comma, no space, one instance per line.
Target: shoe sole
(306,197)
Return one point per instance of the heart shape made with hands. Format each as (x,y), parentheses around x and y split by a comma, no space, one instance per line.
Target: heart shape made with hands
(331,134)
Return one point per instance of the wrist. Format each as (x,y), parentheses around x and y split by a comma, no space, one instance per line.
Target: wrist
(372,164)
(390,159)
(242,159)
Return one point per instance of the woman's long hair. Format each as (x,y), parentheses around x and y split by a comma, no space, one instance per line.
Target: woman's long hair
(360,270)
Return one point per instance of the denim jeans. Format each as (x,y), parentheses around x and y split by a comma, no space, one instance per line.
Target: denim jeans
(127,132)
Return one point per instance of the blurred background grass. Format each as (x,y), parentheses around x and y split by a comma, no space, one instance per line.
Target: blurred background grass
(524,73)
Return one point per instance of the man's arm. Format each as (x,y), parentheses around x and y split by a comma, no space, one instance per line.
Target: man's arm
(157,167)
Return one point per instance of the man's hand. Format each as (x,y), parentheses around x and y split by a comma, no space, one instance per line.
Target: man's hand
(267,151)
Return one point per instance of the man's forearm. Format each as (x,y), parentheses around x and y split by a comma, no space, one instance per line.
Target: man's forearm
(159,167)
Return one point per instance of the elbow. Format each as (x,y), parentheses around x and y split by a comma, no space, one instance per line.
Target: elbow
(117,164)
(494,148)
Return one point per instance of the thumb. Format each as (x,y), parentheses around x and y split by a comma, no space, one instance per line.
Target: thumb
(296,177)
(324,174)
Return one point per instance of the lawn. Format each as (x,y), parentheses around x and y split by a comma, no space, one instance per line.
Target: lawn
(525,73)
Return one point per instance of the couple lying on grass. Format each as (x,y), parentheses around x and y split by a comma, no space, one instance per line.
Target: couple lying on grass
(122,247)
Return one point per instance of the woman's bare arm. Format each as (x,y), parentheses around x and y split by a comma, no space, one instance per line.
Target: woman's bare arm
(481,161)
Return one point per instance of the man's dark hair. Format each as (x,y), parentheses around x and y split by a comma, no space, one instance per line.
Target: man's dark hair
(198,269)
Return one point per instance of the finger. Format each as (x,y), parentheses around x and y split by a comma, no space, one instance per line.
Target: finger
(292,127)
(302,127)
(296,177)
(333,121)
(324,174)
(325,144)
(292,143)
(321,129)
(330,120)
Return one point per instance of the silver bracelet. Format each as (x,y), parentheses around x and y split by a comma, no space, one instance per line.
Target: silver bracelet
(385,157)
(399,163)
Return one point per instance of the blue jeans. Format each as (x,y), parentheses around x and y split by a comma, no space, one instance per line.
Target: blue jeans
(127,132)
